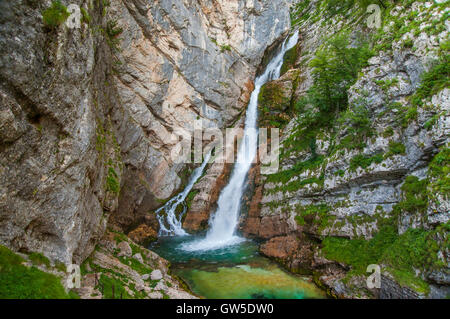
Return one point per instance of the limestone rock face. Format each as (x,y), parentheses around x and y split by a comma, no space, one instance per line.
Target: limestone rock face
(53,178)
(341,198)
(90,117)
(164,85)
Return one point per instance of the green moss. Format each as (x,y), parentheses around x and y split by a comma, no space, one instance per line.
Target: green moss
(314,215)
(433,81)
(56,15)
(388,132)
(112,288)
(39,259)
(415,249)
(61,266)
(395,148)
(213,40)
(190,197)
(225,47)
(118,237)
(290,57)
(273,104)
(364,161)
(112,181)
(415,196)
(20,282)
(439,172)
(135,265)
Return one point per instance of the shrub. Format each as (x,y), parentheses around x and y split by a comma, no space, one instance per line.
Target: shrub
(364,161)
(113,32)
(415,195)
(112,182)
(56,15)
(39,259)
(395,148)
(415,249)
(433,81)
(335,69)
(357,123)
(85,16)
(440,172)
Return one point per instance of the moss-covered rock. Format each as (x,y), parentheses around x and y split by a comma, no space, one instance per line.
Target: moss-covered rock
(290,57)
(274,104)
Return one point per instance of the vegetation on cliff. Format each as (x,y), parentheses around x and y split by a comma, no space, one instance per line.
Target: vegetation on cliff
(56,15)
(20,281)
(401,255)
(356,126)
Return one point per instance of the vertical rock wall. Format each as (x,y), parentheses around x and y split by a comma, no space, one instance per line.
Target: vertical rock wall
(88,116)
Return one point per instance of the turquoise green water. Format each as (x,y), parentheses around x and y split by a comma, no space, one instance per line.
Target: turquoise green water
(236,272)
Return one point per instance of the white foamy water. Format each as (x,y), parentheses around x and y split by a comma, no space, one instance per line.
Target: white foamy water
(170,223)
(224,222)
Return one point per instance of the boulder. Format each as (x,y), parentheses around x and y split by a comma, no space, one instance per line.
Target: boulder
(138,257)
(156,275)
(125,249)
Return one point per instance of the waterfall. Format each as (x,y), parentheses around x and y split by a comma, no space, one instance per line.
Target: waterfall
(224,222)
(170,223)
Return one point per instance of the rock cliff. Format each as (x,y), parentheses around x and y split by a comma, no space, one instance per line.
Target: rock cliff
(364,174)
(90,116)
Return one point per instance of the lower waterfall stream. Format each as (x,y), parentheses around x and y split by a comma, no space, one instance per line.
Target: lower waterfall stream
(221,264)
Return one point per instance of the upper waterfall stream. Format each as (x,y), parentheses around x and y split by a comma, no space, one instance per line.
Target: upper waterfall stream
(224,222)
